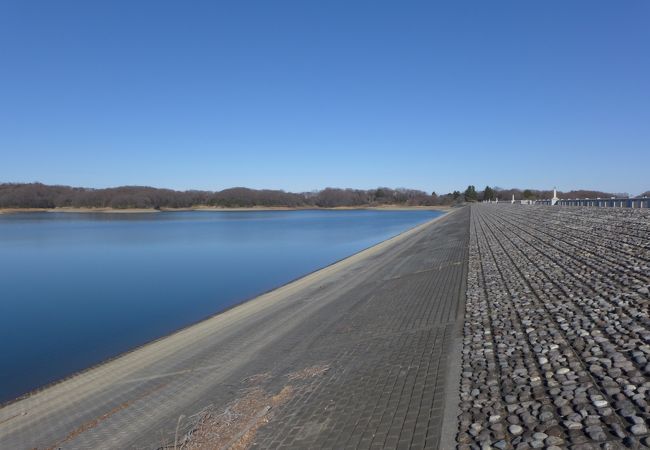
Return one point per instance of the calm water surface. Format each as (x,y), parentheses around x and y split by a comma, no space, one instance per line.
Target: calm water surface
(76,289)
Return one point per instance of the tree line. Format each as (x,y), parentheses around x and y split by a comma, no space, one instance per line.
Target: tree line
(38,195)
(494,193)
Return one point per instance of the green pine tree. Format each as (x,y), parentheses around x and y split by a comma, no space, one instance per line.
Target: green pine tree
(470,194)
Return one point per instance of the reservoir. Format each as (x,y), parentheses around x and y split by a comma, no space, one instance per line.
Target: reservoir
(78,288)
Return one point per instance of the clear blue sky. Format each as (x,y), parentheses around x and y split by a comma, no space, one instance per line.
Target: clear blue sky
(307,94)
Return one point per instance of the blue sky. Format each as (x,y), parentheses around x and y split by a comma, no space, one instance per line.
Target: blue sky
(302,95)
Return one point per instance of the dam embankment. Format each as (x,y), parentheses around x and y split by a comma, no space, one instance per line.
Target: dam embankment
(356,354)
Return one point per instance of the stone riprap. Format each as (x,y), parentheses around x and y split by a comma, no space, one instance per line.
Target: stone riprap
(556,342)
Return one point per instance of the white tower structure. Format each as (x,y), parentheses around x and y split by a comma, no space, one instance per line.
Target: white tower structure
(513,198)
(554,199)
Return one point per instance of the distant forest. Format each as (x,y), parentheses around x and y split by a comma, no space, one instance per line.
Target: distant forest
(37,195)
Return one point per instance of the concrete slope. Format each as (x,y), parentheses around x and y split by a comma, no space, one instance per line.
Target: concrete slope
(363,345)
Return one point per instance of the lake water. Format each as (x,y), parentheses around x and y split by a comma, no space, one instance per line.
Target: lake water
(76,289)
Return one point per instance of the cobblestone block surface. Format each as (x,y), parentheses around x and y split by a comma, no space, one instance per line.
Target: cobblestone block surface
(557,329)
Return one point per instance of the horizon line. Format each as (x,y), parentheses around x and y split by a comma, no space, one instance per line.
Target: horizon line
(494,187)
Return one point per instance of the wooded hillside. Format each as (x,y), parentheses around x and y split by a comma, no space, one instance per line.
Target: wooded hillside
(37,195)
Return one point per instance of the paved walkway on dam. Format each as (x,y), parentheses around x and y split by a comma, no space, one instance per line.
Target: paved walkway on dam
(356,355)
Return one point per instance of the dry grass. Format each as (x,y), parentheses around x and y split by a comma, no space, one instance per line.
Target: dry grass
(309,372)
(96,421)
(233,427)
(236,426)
(257,379)
(247,436)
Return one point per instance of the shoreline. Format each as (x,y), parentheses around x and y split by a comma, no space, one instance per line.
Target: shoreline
(219,356)
(255,303)
(221,209)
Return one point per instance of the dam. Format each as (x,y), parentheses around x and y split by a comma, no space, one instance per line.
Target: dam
(494,326)
(356,354)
